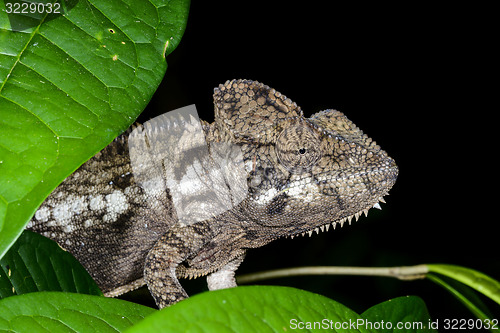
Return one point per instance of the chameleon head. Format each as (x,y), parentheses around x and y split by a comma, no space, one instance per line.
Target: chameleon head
(303,173)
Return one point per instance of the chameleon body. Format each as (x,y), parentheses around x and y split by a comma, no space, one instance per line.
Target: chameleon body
(298,175)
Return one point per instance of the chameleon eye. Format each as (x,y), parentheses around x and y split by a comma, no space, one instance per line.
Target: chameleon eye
(297,147)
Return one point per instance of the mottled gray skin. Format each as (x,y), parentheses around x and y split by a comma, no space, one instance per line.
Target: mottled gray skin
(303,174)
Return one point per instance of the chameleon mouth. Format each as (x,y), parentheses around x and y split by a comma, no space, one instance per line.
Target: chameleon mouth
(341,221)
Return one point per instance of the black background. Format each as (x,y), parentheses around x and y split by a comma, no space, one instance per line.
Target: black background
(418,80)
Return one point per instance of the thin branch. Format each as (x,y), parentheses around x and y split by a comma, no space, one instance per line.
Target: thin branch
(402,273)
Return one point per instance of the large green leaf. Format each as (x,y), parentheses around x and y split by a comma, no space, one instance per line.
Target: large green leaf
(67,312)
(253,309)
(35,263)
(243,309)
(403,314)
(69,84)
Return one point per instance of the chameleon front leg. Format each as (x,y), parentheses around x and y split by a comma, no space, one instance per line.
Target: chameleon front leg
(173,248)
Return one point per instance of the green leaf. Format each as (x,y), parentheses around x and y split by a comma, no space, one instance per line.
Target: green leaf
(242,309)
(66,312)
(252,309)
(470,303)
(69,84)
(470,277)
(410,312)
(35,263)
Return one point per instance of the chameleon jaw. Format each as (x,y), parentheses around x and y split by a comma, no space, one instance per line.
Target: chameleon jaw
(326,227)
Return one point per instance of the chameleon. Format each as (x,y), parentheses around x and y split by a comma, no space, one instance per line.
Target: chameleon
(279,174)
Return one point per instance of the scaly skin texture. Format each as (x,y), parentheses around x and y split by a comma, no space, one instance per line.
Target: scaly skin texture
(300,174)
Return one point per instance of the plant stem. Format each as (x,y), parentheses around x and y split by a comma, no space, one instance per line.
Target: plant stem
(402,273)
